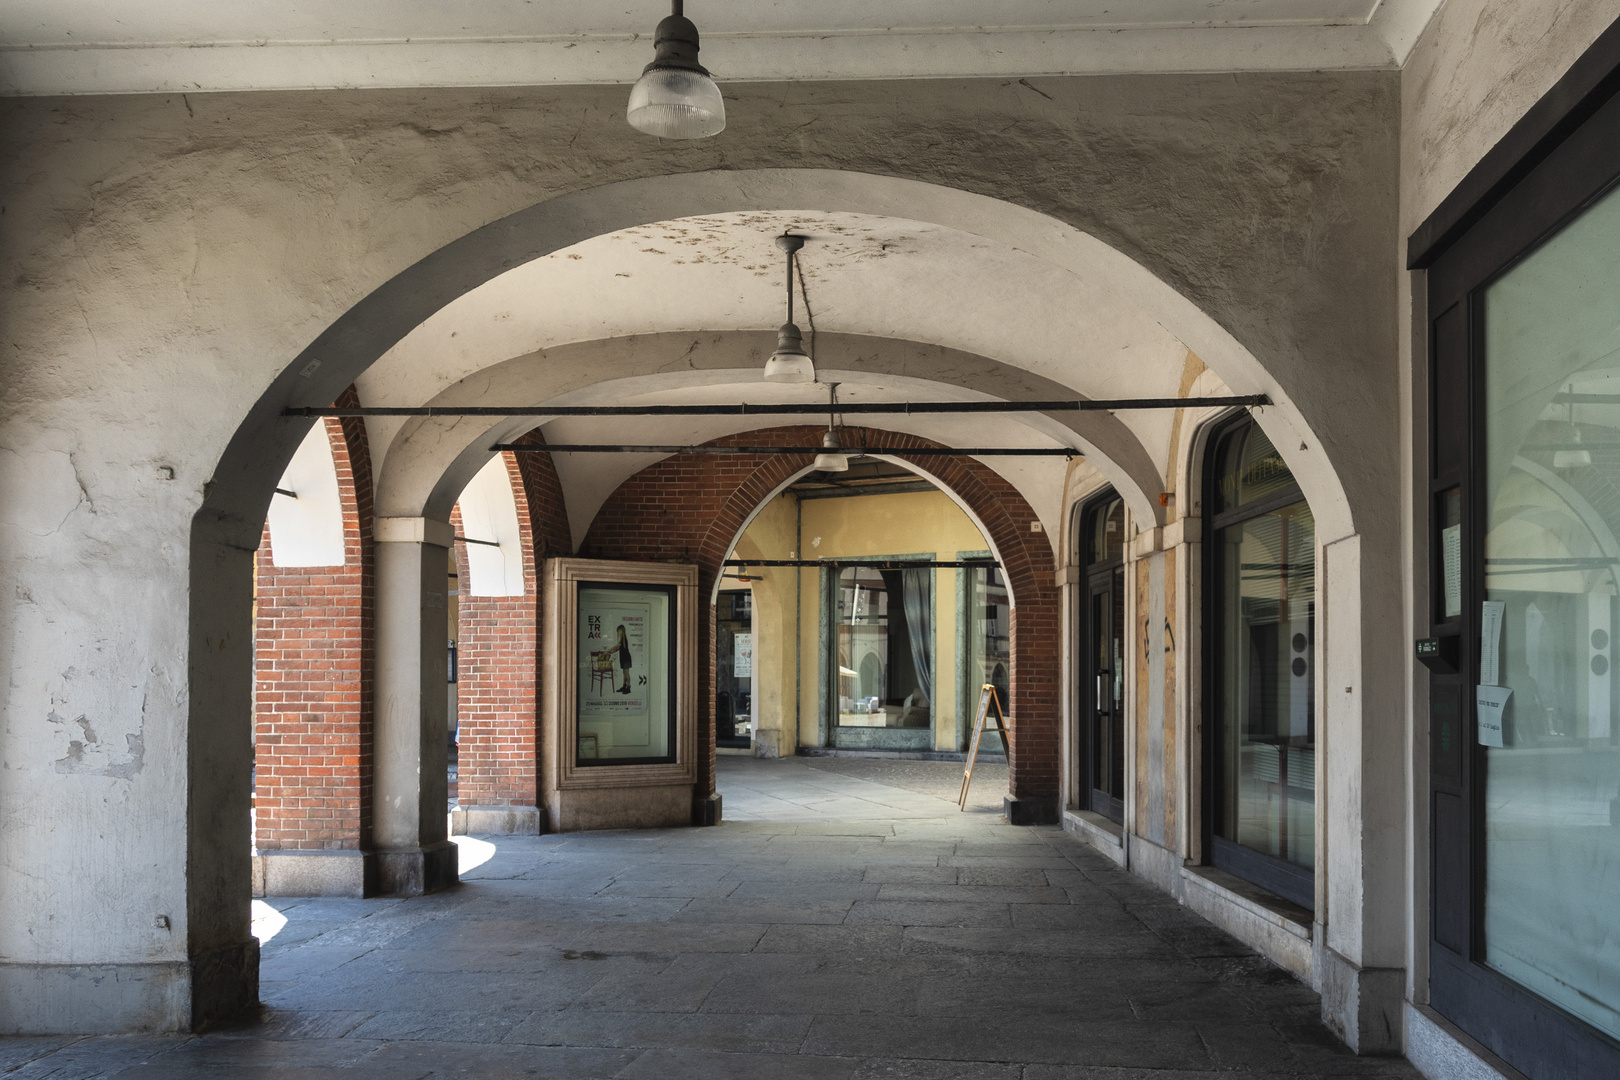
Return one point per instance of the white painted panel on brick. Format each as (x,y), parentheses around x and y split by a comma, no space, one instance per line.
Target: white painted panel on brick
(308,530)
(489,513)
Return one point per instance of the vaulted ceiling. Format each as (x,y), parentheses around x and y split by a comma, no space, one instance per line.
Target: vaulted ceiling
(133,46)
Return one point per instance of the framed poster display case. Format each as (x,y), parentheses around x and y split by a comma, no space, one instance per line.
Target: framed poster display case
(619,743)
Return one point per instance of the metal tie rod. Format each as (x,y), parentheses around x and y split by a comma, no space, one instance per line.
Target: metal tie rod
(867,408)
(801,451)
(867,564)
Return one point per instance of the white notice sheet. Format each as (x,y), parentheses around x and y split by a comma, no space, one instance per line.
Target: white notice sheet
(1490,642)
(1490,702)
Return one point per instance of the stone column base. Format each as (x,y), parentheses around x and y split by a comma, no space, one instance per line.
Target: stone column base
(106,999)
(415,871)
(1031,809)
(706,810)
(497,821)
(284,872)
(1363,1006)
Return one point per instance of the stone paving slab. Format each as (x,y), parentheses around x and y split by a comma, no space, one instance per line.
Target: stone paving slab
(846,922)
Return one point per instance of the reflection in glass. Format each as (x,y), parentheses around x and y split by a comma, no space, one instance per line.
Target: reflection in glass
(883,647)
(1552,819)
(734,669)
(989,642)
(1267,642)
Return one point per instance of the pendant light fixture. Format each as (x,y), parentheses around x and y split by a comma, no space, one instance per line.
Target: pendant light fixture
(675,98)
(789,363)
(832,458)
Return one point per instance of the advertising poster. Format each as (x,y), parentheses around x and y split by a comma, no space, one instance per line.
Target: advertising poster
(623,673)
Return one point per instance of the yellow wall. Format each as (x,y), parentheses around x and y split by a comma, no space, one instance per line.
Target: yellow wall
(914,523)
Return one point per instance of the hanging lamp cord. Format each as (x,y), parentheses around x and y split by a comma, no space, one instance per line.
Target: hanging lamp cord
(790,255)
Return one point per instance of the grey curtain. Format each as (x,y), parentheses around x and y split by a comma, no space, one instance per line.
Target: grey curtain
(919,601)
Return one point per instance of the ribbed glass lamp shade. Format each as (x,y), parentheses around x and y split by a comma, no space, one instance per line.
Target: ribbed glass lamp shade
(676,103)
(830,460)
(789,363)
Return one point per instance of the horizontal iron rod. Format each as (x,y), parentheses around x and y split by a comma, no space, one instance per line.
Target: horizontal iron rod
(887,408)
(871,564)
(801,451)
(486,543)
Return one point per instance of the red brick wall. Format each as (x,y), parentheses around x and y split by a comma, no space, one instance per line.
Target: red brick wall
(313,677)
(689,509)
(499,638)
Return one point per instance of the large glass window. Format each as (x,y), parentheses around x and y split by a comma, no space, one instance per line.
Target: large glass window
(1262,632)
(734,669)
(989,658)
(626,688)
(883,644)
(1546,693)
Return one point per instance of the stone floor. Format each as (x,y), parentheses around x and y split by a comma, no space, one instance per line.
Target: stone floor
(847,923)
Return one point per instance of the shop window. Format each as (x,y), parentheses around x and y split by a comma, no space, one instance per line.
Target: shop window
(734,670)
(1101,743)
(882,640)
(1551,774)
(986,633)
(1260,633)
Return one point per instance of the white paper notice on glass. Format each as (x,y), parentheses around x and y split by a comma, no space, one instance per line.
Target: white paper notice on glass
(1451,568)
(1490,703)
(1490,642)
(742,656)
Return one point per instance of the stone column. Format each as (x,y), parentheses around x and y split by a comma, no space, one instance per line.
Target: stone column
(414,852)
(1360,899)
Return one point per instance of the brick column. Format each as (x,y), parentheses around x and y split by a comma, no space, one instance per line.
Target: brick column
(312,703)
(498,679)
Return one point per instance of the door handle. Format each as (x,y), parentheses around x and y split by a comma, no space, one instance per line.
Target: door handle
(1102,691)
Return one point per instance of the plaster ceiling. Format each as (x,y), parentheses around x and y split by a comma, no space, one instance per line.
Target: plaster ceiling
(132,46)
(685,311)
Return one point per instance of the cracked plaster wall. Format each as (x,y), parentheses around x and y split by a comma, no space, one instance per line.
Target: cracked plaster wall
(164,257)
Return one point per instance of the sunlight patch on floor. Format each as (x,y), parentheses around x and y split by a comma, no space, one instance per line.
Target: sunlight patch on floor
(267,921)
(472,852)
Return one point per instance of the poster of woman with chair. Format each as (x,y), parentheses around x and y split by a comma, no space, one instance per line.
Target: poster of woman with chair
(623,676)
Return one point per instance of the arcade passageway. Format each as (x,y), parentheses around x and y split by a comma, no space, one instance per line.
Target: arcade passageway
(846,921)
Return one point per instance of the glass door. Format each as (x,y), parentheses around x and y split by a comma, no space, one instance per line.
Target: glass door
(1105,631)
(1101,764)
(1524,565)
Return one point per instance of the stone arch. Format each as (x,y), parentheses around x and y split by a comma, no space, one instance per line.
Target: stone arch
(235,504)
(225,528)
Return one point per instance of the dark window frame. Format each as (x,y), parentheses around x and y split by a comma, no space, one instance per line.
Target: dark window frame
(1097,575)
(1554,164)
(1293,883)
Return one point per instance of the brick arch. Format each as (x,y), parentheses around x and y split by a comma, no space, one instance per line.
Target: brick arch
(690,509)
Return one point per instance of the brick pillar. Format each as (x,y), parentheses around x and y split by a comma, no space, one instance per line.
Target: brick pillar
(498,679)
(312,702)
